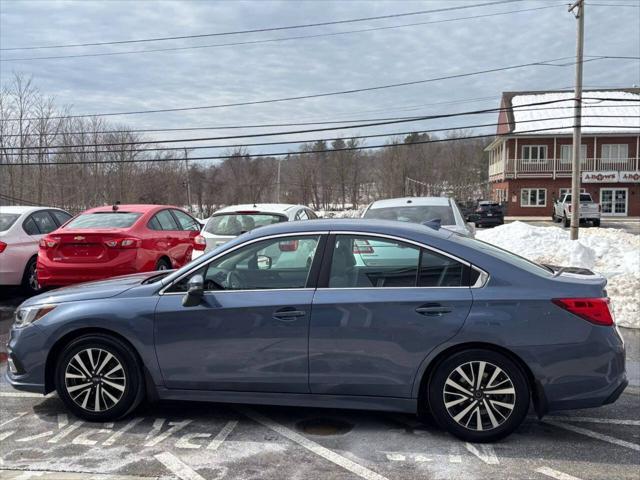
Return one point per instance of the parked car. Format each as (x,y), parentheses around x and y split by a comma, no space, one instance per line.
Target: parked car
(229,222)
(589,210)
(21,228)
(487,214)
(466,331)
(108,241)
(440,210)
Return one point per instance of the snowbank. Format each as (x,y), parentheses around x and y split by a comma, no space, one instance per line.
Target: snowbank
(350,213)
(611,252)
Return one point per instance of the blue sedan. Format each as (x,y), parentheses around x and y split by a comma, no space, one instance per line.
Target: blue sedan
(365,314)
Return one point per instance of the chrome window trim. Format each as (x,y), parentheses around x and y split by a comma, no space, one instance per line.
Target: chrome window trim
(232,249)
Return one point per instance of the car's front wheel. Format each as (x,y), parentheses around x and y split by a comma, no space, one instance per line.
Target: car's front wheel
(479,395)
(99,378)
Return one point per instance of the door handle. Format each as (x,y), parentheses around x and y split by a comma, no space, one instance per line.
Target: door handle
(433,310)
(288,314)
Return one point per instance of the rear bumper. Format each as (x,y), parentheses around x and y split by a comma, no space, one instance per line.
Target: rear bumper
(58,274)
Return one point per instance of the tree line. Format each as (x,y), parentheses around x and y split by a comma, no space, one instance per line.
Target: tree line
(324,175)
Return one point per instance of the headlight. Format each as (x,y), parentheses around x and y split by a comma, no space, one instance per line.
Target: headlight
(27,315)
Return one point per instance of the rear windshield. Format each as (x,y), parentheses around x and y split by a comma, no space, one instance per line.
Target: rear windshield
(584,197)
(504,255)
(414,214)
(6,220)
(104,220)
(237,223)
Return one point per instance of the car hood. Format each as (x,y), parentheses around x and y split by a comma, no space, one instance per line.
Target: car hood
(90,290)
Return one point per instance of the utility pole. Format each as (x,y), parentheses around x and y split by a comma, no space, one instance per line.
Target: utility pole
(186,166)
(578,6)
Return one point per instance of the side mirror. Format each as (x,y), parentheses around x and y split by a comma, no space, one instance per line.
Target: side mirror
(264,262)
(195,291)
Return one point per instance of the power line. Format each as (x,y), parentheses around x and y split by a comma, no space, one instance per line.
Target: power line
(328,94)
(261,30)
(293,142)
(281,39)
(520,108)
(283,154)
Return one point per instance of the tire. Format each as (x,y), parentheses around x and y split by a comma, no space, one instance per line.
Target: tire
(30,283)
(118,384)
(163,264)
(596,223)
(566,222)
(461,418)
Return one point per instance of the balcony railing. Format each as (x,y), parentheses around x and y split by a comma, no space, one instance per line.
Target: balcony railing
(561,166)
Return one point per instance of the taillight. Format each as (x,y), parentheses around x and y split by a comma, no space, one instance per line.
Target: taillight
(2,246)
(123,243)
(288,246)
(362,246)
(199,242)
(594,310)
(48,242)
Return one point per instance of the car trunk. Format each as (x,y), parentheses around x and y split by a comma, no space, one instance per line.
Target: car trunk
(79,246)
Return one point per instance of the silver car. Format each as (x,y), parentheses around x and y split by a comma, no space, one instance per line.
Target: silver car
(442,211)
(21,229)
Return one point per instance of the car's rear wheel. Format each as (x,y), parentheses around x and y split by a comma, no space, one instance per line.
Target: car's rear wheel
(99,378)
(479,395)
(30,277)
(163,264)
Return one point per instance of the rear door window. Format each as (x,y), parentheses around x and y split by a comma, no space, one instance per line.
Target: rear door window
(44,221)
(30,227)
(59,216)
(166,220)
(438,270)
(187,222)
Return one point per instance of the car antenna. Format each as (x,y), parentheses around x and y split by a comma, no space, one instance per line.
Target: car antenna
(115,206)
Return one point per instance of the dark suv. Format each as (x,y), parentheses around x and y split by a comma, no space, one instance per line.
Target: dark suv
(487,214)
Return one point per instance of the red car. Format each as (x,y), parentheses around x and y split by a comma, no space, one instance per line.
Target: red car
(108,241)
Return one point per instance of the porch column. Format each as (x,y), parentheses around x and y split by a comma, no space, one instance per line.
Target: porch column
(638,152)
(555,157)
(595,152)
(515,160)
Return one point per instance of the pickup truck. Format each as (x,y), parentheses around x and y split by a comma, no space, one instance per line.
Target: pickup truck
(589,210)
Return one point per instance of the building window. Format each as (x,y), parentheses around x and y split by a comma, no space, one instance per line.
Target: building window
(563,191)
(567,150)
(614,152)
(533,197)
(534,153)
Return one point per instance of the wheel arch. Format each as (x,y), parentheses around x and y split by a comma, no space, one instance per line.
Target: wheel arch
(537,392)
(58,346)
(166,258)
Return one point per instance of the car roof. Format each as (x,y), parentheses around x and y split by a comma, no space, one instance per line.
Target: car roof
(260,207)
(387,227)
(412,201)
(19,209)
(135,208)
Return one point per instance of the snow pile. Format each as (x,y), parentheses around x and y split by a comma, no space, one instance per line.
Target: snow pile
(612,253)
(340,213)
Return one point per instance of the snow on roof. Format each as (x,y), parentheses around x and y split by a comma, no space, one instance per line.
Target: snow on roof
(18,209)
(600,114)
(258,207)
(411,201)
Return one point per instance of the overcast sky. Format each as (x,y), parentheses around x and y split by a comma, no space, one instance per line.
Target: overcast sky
(227,74)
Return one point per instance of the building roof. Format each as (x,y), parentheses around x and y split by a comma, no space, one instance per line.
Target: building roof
(605,111)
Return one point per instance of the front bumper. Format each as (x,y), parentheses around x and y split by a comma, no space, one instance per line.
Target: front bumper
(27,353)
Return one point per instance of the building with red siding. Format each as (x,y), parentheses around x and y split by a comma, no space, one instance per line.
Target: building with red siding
(530,157)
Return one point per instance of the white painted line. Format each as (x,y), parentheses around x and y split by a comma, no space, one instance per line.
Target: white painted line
(18,415)
(314,447)
(396,457)
(65,432)
(21,394)
(185,440)
(612,421)
(486,453)
(5,435)
(222,435)
(550,472)
(455,459)
(178,467)
(35,437)
(112,439)
(63,420)
(174,427)
(596,435)
(83,438)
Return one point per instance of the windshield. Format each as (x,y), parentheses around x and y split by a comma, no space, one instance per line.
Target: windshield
(414,214)
(104,220)
(584,197)
(6,220)
(236,223)
(504,255)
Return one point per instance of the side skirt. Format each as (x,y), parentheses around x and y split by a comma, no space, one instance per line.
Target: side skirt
(389,404)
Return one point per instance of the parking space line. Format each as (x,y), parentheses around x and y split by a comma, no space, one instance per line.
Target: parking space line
(112,439)
(178,467)
(596,435)
(222,435)
(65,432)
(18,415)
(550,472)
(314,447)
(174,427)
(486,453)
(612,421)
(21,394)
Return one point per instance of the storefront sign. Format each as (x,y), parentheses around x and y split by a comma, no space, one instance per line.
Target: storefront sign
(633,177)
(600,177)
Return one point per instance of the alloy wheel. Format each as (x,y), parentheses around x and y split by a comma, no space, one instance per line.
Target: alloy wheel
(479,395)
(95,379)
(33,278)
